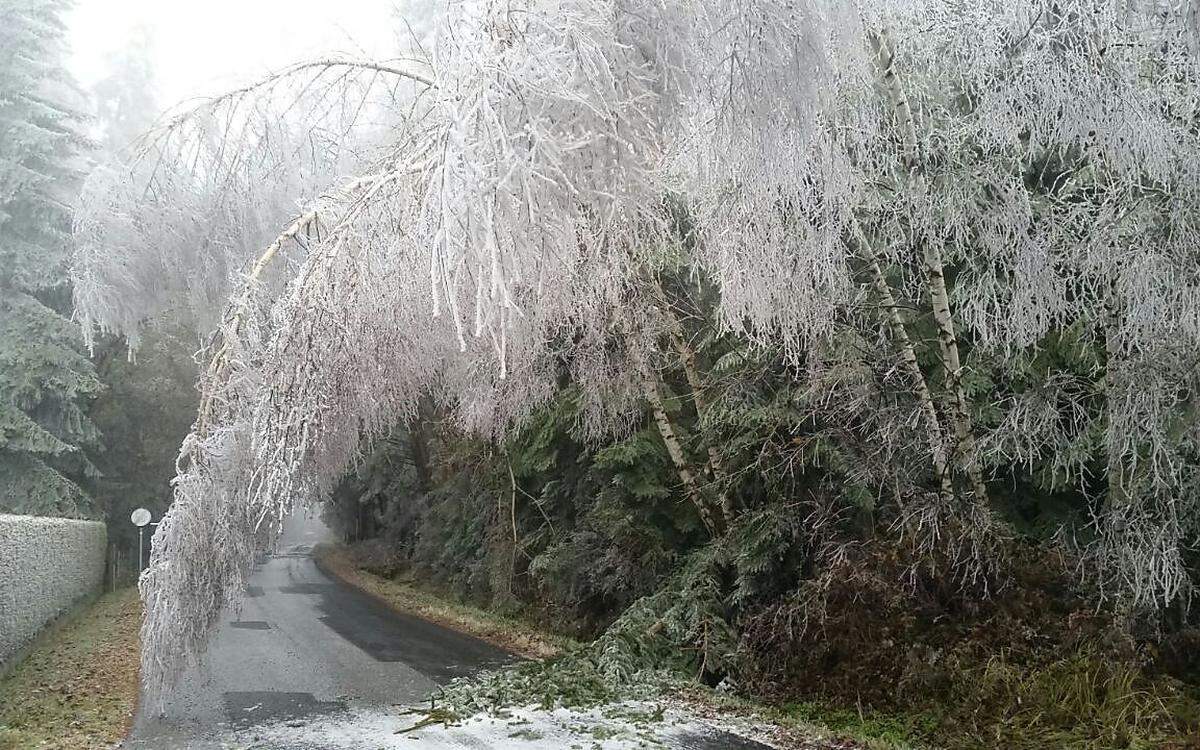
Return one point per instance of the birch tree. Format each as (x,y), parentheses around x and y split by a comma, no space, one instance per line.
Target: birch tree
(1000,172)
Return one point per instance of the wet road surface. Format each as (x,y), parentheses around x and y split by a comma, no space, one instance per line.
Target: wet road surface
(305,646)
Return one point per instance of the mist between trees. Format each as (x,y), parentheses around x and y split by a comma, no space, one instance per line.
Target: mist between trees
(759,301)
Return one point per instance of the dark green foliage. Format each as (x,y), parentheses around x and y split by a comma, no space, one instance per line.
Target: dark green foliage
(573,532)
(1063,376)
(144,414)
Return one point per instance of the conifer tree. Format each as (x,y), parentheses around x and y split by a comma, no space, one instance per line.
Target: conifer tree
(45,378)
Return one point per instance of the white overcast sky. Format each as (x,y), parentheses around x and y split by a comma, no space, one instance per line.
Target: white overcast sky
(200,48)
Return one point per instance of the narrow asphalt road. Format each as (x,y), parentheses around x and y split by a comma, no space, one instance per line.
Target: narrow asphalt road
(305,647)
(312,664)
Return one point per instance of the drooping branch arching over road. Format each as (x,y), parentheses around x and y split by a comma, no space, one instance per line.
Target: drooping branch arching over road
(518,181)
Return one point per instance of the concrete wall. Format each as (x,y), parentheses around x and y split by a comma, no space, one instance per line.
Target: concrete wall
(46,566)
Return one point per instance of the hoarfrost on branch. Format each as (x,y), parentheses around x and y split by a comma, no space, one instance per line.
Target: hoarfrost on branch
(840,162)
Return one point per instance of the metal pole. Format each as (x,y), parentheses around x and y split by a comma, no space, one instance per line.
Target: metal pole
(141,530)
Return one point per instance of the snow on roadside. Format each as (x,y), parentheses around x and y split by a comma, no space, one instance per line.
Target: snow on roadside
(614,727)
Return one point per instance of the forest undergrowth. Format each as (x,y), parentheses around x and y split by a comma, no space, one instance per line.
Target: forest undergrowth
(1031,667)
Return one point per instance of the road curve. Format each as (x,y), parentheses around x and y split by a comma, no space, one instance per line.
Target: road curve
(305,648)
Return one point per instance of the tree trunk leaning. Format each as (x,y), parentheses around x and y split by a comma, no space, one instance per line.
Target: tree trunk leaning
(966,447)
(908,357)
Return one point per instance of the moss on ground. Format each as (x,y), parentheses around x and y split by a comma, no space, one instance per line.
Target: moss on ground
(77,688)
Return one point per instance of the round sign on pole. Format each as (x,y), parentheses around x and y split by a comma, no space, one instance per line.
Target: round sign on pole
(140,517)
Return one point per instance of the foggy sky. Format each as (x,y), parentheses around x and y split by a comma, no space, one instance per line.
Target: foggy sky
(202,48)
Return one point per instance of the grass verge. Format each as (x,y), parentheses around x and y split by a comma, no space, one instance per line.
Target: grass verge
(77,688)
(514,636)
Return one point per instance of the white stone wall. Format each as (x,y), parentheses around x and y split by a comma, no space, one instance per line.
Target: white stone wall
(46,566)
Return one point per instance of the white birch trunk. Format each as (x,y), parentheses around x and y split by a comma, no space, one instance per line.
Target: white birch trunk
(652,390)
(967,449)
(1118,494)
(653,393)
(908,356)
(687,359)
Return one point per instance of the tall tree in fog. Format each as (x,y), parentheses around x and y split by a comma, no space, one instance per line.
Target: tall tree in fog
(45,378)
(125,101)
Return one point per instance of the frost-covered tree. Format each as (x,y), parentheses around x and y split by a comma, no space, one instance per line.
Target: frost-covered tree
(951,188)
(45,379)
